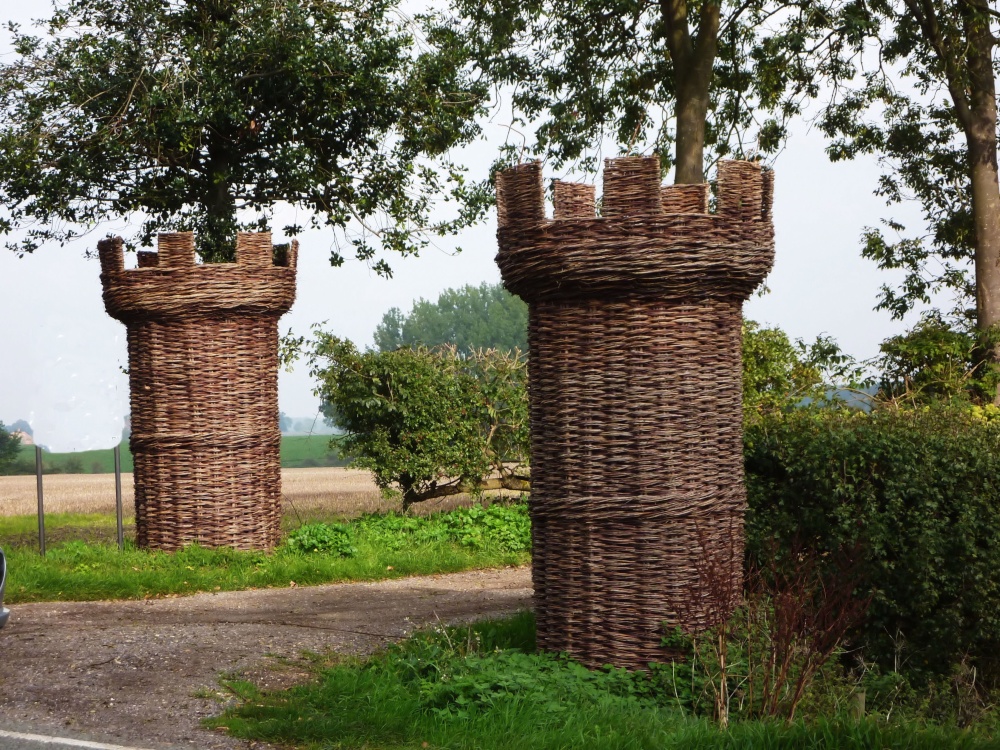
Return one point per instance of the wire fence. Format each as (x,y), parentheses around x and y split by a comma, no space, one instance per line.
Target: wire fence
(40,491)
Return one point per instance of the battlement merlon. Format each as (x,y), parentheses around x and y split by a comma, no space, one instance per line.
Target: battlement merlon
(651,240)
(632,188)
(170,284)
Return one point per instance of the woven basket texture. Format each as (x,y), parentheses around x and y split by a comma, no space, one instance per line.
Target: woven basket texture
(203,375)
(635,380)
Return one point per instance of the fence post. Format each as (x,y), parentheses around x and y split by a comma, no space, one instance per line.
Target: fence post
(118,496)
(41,503)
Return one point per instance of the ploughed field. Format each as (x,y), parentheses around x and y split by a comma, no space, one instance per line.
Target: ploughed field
(316,493)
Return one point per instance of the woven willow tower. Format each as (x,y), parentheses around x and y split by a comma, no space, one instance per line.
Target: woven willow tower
(635,380)
(203,375)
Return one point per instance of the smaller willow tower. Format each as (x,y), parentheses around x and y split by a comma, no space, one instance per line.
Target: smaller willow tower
(635,378)
(203,376)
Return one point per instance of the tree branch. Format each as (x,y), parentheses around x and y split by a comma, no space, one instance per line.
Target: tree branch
(923,11)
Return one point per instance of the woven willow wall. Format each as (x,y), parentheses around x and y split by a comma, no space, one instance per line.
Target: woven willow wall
(635,380)
(203,375)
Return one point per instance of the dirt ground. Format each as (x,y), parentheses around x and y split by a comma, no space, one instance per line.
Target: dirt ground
(145,673)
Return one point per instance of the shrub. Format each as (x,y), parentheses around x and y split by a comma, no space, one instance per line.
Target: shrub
(918,490)
(428,423)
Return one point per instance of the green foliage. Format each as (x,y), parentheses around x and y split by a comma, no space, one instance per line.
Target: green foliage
(203,115)
(927,112)
(584,73)
(503,527)
(483,687)
(918,490)
(430,422)
(937,362)
(322,537)
(497,528)
(779,374)
(10,448)
(483,317)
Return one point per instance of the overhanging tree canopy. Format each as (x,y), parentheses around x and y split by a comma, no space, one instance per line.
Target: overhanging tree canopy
(678,75)
(203,114)
(926,107)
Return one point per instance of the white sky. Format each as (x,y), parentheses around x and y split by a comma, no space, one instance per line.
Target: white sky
(61,356)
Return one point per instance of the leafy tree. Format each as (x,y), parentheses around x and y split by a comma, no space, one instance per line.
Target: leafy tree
(428,422)
(927,108)
(203,114)
(673,73)
(10,447)
(483,317)
(779,373)
(936,361)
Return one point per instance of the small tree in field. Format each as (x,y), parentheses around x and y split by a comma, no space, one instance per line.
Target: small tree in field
(10,447)
(203,114)
(428,422)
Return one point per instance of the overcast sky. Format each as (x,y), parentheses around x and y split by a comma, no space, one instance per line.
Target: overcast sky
(62,356)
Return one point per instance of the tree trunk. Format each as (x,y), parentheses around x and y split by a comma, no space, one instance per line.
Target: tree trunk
(980,126)
(692,108)
(217,239)
(694,62)
(986,219)
(511,483)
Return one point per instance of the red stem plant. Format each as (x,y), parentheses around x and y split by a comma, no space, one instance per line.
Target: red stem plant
(765,641)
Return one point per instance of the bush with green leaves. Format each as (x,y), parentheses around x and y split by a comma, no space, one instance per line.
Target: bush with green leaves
(938,360)
(919,491)
(428,422)
(779,373)
(10,448)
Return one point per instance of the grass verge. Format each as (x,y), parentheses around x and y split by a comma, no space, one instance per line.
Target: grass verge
(484,687)
(371,547)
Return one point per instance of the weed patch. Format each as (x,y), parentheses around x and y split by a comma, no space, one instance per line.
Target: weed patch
(483,686)
(369,548)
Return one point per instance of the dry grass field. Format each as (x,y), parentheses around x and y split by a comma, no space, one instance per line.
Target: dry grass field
(308,494)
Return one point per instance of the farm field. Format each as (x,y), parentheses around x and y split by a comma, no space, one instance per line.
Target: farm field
(328,491)
(297,451)
(320,493)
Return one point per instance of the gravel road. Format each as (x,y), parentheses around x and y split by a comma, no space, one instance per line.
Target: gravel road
(144,673)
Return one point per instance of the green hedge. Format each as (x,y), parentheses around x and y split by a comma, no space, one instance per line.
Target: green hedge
(921,491)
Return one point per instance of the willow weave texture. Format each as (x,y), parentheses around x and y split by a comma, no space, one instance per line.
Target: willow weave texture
(203,376)
(635,380)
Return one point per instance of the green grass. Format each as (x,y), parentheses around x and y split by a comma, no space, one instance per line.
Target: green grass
(484,687)
(368,548)
(309,450)
(296,452)
(97,528)
(82,462)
